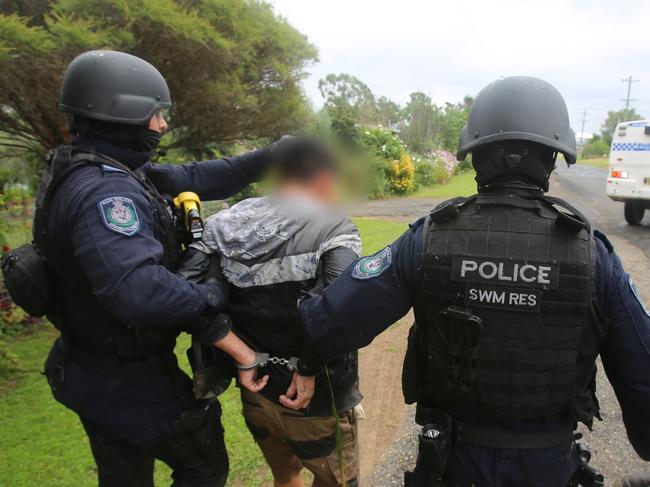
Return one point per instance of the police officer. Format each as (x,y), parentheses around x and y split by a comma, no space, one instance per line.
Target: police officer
(514,295)
(105,228)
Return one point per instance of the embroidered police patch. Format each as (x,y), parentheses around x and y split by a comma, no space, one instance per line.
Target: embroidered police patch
(119,214)
(373,265)
(638,298)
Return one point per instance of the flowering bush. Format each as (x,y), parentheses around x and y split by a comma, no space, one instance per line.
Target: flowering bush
(445,160)
(401,175)
(382,143)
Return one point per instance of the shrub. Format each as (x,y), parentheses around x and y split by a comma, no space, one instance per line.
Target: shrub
(440,173)
(401,175)
(595,148)
(377,181)
(424,173)
(382,143)
(464,166)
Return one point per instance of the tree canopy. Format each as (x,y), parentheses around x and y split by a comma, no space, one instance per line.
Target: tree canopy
(233,66)
(422,124)
(614,118)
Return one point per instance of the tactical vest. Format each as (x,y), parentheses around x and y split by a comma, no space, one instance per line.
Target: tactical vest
(84,324)
(505,323)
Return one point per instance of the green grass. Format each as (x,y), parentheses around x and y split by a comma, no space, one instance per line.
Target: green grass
(376,233)
(43,443)
(602,162)
(461,185)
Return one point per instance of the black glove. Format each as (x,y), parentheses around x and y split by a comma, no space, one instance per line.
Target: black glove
(208,330)
(220,292)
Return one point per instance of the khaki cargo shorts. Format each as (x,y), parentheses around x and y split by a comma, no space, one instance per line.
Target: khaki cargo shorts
(290,441)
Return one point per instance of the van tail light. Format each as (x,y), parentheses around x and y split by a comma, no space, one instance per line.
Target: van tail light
(619,174)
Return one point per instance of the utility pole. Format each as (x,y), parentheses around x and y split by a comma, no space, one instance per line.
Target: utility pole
(627,99)
(583,120)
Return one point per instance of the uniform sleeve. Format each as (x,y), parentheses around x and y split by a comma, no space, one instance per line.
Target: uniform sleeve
(112,236)
(626,352)
(370,295)
(211,180)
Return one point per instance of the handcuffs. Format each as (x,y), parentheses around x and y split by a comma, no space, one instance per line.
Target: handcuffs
(261,359)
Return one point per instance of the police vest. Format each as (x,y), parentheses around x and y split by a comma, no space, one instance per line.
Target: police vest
(85,326)
(505,324)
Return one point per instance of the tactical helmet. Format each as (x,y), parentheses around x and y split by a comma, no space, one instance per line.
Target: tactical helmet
(113,86)
(519,108)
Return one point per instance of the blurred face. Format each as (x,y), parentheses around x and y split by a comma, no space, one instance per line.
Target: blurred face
(158,122)
(321,187)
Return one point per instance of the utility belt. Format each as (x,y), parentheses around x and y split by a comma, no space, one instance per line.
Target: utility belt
(440,434)
(147,365)
(495,436)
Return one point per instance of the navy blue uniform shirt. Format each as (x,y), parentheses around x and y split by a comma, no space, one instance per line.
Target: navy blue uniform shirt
(358,306)
(103,217)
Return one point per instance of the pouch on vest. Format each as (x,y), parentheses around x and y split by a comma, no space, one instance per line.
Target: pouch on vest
(27,279)
(460,331)
(412,369)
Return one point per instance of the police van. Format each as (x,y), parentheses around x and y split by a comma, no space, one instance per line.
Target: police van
(629,168)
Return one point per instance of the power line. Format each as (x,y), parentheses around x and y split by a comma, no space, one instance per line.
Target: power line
(478,38)
(627,99)
(583,120)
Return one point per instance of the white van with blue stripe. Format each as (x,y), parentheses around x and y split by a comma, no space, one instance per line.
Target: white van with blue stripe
(629,168)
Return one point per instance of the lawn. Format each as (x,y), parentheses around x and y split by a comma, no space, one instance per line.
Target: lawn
(461,185)
(602,162)
(42,443)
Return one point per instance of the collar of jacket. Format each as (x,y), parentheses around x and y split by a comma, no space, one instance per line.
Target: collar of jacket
(130,158)
(518,189)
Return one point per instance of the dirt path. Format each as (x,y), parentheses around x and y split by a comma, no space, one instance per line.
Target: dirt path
(380,380)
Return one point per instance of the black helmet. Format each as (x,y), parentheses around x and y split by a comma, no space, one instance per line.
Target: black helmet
(519,108)
(114,87)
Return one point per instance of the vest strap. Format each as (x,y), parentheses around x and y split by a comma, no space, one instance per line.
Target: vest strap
(494,436)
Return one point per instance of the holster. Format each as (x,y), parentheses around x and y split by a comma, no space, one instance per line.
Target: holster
(212,370)
(197,434)
(433,454)
(586,475)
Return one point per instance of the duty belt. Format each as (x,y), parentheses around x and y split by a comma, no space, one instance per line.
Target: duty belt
(494,436)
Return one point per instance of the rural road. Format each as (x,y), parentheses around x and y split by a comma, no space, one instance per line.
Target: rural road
(388,436)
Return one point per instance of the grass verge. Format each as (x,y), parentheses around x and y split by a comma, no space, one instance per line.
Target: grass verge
(43,443)
(602,162)
(460,185)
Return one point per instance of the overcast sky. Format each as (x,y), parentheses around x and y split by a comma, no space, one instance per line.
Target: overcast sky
(454,47)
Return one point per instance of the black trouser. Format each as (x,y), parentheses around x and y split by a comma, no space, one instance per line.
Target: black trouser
(120,464)
(194,449)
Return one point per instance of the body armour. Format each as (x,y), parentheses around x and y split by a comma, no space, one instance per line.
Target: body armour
(505,322)
(85,326)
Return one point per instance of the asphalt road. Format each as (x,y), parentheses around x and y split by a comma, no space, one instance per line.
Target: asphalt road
(584,187)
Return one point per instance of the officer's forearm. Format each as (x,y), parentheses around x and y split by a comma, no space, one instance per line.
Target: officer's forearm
(236,348)
(151,295)
(212,179)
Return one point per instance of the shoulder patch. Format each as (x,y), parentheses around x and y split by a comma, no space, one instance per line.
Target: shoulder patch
(119,214)
(638,298)
(373,265)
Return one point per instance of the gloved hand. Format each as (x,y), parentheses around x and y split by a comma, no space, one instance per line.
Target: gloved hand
(208,330)
(220,289)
